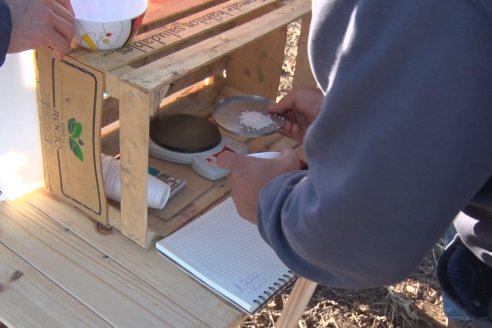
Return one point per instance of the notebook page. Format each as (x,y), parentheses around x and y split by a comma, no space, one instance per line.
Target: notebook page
(228,254)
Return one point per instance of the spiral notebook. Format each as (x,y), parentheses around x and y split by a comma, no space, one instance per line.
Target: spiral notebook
(227,255)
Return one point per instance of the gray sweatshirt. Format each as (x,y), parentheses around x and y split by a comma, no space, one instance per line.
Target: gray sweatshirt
(402,144)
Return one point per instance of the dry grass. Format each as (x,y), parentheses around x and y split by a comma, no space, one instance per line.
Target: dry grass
(415,302)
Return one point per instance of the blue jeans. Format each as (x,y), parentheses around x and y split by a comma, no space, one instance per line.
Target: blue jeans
(451,310)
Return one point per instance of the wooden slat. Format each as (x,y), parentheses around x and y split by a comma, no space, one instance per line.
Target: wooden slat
(193,207)
(164,11)
(110,111)
(33,300)
(119,296)
(44,88)
(257,67)
(159,12)
(169,68)
(72,93)
(303,75)
(112,85)
(197,99)
(148,265)
(296,304)
(134,145)
(179,32)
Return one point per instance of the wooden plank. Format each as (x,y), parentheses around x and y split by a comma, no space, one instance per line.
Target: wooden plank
(159,12)
(148,265)
(182,62)
(134,145)
(196,186)
(44,59)
(110,139)
(179,32)
(118,295)
(303,75)
(110,111)
(190,208)
(197,99)
(45,99)
(296,303)
(213,71)
(33,300)
(112,86)
(256,68)
(164,11)
(70,110)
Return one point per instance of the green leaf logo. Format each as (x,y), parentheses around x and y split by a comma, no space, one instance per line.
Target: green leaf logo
(75,131)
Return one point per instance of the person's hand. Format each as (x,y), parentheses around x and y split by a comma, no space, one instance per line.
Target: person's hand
(41,23)
(248,175)
(300,107)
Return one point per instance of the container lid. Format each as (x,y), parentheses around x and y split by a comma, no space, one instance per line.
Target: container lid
(247,116)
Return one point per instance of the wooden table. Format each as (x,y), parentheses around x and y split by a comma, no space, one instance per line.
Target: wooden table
(69,257)
(67,274)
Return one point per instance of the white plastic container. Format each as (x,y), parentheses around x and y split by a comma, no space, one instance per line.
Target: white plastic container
(157,193)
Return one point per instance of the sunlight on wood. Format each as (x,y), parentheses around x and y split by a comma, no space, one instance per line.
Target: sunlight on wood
(27,69)
(13,175)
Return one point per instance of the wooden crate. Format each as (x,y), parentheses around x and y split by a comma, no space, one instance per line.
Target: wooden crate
(188,54)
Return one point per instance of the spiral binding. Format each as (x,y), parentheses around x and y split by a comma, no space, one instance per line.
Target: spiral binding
(281,284)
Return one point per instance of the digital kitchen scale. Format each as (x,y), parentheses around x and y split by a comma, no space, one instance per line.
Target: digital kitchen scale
(190,139)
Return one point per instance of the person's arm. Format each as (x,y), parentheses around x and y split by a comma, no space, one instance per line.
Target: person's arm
(5,30)
(401,145)
(299,107)
(248,175)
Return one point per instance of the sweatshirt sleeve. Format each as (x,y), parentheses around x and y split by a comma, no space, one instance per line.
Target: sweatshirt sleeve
(5,30)
(402,143)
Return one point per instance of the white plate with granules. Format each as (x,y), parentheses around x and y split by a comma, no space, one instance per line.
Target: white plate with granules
(247,116)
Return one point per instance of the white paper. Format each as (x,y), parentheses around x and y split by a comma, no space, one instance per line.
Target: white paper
(227,253)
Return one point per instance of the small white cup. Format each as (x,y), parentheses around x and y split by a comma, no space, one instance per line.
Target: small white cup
(157,190)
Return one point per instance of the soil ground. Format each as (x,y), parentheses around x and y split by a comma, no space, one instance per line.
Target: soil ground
(413,303)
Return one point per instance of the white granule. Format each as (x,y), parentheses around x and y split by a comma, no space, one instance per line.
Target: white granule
(255,120)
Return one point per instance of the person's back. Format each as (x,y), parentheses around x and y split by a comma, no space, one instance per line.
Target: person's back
(401,145)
